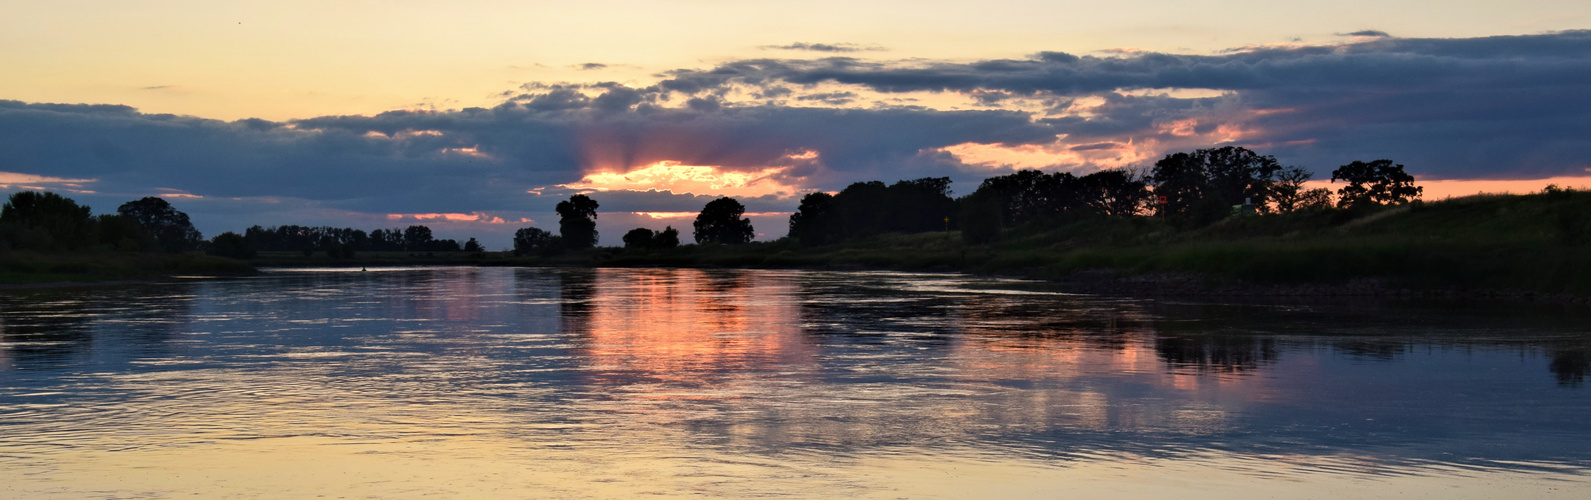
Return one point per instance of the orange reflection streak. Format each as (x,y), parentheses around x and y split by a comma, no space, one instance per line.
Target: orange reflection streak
(687,326)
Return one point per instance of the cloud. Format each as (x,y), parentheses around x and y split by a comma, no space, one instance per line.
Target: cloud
(824,47)
(1368,33)
(1493,107)
(590,66)
(830,97)
(1502,106)
(157,87)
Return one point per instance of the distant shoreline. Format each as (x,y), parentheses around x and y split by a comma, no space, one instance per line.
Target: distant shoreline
(1100,282)
(1526,247)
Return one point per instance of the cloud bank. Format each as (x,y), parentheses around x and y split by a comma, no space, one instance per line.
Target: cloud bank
(769,129)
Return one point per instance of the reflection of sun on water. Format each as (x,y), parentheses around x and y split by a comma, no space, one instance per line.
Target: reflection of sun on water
(678,383)
(689,327)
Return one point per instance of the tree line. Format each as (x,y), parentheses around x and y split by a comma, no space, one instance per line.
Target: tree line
(719,222)
(342,242)
(1186,188)
(48,222)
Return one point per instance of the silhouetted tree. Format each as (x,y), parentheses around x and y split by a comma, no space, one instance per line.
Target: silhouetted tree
(915,206)
(638,238)
(532,240)
(1180,180)
(856,210)
(473,246)
(813,222)
(1315,199)
(1379,182)
(169,226)
(865,208)
(1029,195)
(231,245)
(720,222)
(577,221)
(981,217)
(667,238)
(1113,192)
(45,221)
(386,239)
(1238,175)
(417,238)
(1288,192)
(122,234)
(1205,183)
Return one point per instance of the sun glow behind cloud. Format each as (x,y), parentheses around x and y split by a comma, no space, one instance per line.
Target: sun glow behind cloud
(678,178)
(1056,155)
(477,217)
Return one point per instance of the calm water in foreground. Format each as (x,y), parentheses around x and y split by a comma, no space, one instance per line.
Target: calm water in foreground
(466,382)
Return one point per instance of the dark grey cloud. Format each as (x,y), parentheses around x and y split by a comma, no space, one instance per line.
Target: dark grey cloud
(836,98)
(1374,33)
(591,66)
(824,47)
(1440,103)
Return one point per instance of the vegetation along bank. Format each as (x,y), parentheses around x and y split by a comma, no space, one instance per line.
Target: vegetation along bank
(1219,220)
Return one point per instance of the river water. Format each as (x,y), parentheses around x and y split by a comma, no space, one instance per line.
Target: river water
(575,383)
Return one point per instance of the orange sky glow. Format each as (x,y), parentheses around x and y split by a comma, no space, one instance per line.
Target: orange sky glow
(477,217)
(677,178)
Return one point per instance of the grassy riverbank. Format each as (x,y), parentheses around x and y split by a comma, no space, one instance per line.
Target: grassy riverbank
(27,268)
(1536,243)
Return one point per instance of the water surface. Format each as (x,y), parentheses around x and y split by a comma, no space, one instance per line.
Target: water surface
(493,382)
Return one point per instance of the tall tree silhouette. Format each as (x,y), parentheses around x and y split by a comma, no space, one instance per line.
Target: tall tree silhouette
(812,223)
(170,227)
(1113,192)
(1288,192)
(1238,175)
(46,221)
(1204,183)
(577,221)
(1378,182)
(417,238)
(720,222)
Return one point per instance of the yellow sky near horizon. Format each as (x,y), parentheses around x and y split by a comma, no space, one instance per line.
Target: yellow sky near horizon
(299,59)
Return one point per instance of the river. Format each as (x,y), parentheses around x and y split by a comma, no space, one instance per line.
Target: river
(602,383)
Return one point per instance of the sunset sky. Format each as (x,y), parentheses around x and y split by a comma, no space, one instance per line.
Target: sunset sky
(476,117)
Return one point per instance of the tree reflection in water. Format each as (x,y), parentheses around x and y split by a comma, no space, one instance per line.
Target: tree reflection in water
(800,369)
